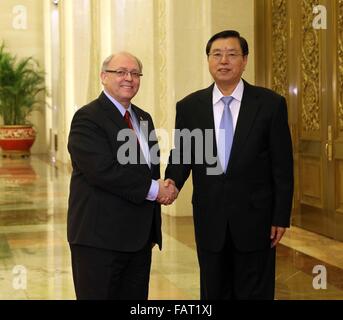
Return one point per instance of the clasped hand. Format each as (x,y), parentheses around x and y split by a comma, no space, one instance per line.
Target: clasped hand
(167,192)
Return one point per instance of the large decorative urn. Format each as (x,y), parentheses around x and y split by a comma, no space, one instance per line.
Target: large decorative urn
(16,141)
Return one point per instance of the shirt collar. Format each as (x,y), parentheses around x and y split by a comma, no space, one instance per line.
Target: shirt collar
(237,94)
(118,105)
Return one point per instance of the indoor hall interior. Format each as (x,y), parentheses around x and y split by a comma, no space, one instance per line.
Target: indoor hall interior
(35,255)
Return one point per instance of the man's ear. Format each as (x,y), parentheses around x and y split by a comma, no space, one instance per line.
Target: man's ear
(103,77)
(245,61)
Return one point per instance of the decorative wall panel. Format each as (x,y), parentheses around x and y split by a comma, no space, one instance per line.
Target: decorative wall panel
(311,181)
(340,62)
(279,47)
(310,77)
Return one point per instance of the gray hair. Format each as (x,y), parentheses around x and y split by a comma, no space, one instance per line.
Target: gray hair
(109,59)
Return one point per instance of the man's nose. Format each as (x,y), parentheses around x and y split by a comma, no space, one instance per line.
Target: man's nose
(128,76)
(224,58)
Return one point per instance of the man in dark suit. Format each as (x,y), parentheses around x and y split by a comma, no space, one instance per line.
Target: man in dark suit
(241,212)
(113,216)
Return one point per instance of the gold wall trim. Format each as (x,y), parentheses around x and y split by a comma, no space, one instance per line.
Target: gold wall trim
(310,76)
(340,62)
(280,47)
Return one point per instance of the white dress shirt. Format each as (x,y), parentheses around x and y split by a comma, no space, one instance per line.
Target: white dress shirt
(218,106)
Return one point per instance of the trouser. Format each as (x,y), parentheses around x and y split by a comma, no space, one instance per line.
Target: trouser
(106,274)
(231,274)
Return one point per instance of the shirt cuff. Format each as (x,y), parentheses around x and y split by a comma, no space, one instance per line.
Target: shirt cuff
(153,191)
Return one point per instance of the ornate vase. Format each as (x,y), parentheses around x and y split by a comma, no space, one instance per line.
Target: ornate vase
(17,140)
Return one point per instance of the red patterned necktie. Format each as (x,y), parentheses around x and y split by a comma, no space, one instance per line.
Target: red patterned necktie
(127,118)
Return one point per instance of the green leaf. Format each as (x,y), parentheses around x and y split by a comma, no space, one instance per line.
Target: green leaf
(22,84)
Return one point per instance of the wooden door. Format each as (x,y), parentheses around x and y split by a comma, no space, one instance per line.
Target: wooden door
(305,64)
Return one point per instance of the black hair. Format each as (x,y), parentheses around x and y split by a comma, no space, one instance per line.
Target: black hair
(229,34)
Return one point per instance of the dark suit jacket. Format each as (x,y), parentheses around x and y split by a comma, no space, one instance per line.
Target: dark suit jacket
(107,206)
(256,191)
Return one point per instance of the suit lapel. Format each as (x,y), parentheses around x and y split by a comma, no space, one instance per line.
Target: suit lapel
(112,112)
(146,126)
(144,123)
(246,117)
(206,114)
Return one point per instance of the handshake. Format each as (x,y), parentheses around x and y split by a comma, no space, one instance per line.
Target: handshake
(167,192)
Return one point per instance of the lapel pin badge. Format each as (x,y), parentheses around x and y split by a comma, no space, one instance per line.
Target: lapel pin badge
(142,121)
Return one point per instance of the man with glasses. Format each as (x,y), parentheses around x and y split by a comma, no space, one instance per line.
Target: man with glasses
(241,212)
(114,216)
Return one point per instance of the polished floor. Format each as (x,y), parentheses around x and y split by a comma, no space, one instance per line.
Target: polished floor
(35,259)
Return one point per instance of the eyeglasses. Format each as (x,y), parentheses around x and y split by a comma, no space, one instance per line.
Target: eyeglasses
(125,73)
(218,56)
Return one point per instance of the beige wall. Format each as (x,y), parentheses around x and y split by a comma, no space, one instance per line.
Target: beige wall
(24,43)
(237,15)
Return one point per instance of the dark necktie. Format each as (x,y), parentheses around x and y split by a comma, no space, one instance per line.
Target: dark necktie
(127,118)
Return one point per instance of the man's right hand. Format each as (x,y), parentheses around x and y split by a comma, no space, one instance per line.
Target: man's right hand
(167,192)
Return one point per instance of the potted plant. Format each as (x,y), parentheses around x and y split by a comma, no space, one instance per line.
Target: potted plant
(21,82)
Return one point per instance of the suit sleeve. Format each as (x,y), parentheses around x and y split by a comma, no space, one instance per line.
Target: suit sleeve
(176,169)
(154,159)
(92,156)
(282,166)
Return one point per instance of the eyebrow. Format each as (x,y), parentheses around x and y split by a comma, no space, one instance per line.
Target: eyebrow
(219,50)
(125,69)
